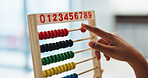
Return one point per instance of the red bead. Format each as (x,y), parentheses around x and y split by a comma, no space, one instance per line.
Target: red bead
(39,36)
(67,32)
(60,32)
(83,30)
(45,35)
(42,35)
(63,32)
(50,34)
(57,33)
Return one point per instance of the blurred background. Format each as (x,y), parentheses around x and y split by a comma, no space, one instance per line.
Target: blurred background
(127,17)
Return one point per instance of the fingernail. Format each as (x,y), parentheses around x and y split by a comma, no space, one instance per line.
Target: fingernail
(98,58)
(83,25)
(107,59)
(91,44)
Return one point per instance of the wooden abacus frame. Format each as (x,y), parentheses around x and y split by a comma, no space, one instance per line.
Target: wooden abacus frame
(51,18)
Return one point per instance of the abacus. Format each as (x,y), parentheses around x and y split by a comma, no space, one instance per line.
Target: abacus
(37,49)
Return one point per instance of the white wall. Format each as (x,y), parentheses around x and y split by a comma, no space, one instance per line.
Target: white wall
(130,6)
(104,12)
(107,9)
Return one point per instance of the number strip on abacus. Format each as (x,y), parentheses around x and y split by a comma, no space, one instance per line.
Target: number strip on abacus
(63,17)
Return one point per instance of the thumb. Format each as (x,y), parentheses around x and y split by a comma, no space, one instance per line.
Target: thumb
(100,47)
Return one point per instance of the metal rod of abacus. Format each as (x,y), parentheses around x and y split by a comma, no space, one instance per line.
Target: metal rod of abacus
(81,39)
(87,71)
(82,50)
(85,60)
(74,29)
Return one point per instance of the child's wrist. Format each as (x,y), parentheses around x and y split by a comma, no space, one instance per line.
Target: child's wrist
(136,59)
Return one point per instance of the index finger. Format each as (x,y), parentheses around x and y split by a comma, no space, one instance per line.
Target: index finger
(97,31)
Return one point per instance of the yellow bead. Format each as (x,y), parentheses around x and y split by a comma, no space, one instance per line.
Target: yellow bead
(74,65)
(51,72)
(68,66)
(48,73)
(54,70)
(64,67)
(44,73)
(61,68)
(58,70)
(71,66)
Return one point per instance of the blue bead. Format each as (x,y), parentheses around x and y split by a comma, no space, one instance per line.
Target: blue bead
(72,76)
(68,76)
(76,75)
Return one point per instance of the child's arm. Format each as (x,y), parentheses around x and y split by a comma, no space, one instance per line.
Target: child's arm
(112,45)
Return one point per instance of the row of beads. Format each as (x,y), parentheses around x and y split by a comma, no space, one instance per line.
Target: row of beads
(59,69)
(53,34)
(57,58)
(56,46)
(71,76)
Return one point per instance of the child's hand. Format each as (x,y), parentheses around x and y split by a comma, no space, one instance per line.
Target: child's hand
(112,45)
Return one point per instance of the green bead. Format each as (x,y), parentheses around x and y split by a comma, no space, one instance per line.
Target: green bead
(73,54)
(56,58)
(53,58)
(50,59)
(47,61)
(63,56)
(60,57)
(69,54)
(43,62)
(66,55)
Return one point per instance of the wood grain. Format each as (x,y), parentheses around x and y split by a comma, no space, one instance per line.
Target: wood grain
(35,48)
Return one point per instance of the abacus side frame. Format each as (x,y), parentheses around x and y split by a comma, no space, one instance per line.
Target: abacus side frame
(96,63)
(35,47)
